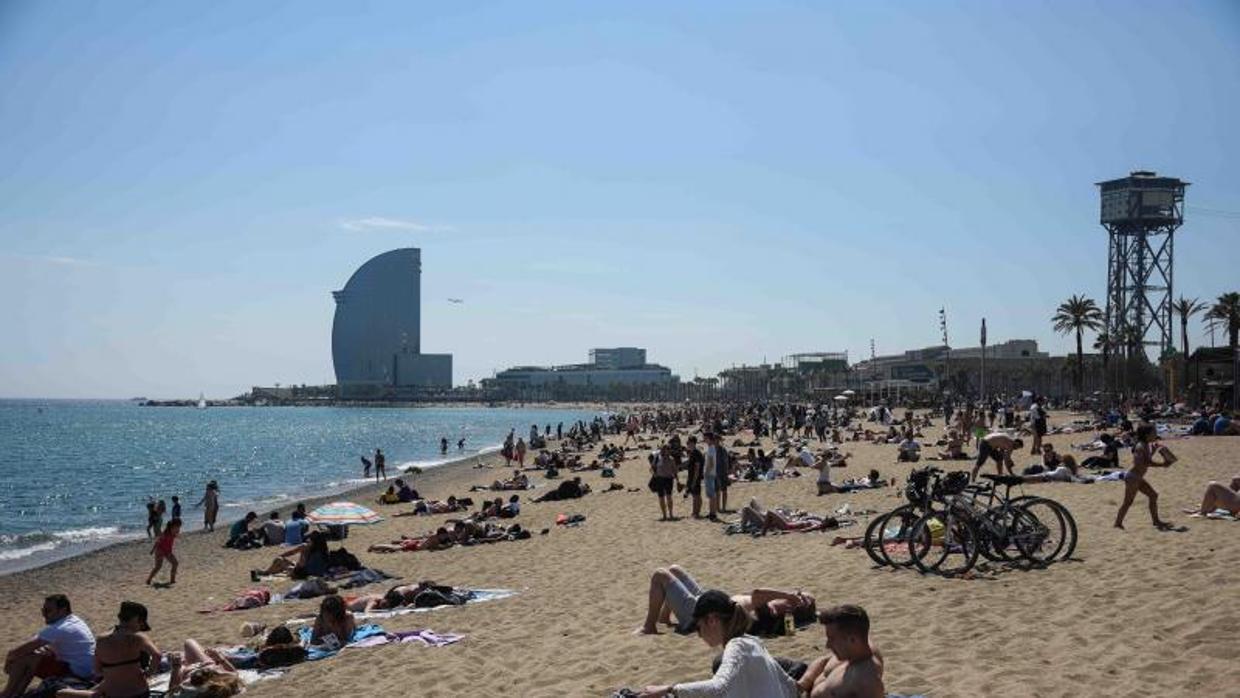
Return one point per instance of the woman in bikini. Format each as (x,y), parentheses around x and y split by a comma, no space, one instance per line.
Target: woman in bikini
(1134,479)
(123,658)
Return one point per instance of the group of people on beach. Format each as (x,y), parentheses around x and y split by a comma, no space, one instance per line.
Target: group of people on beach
(119,663)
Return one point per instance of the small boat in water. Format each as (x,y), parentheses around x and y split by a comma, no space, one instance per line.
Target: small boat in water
(202,402)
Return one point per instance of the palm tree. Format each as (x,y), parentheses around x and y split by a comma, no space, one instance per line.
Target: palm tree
(1078,314)
(1186,308)
(1225,313)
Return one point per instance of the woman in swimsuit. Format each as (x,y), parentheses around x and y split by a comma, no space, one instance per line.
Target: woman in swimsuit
(1134,480)
(210,498)
(122,657)
(311,560)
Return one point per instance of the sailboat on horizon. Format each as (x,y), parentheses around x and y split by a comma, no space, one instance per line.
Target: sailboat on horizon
(202,402)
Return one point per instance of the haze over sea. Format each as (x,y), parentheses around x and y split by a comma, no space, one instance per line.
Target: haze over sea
(76,474)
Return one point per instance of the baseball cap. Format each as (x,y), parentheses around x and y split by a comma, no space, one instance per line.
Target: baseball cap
(711,601)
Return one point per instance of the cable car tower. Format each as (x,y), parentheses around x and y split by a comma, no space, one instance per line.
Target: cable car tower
(1141,213)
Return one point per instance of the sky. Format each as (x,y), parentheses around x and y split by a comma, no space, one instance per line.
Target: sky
(182,185)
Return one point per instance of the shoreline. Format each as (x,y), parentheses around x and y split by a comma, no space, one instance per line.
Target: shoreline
(75,552)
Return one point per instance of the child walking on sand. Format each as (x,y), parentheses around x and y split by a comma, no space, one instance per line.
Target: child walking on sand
(162,550)
(1134,479)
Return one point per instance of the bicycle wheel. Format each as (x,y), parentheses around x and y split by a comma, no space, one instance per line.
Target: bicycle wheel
(943,543)
(1052,535)
(872,547)
(993,543)
(893,536)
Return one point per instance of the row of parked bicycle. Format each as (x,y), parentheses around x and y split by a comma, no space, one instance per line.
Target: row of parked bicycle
(948,523)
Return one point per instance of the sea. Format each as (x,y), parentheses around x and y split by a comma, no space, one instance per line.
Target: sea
(75,475)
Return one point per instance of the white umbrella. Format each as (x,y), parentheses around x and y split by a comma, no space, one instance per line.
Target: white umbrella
(840,398)
(849,392)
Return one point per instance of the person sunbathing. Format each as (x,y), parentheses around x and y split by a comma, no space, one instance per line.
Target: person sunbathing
(757,516)
(434,506)
(518,481)
(955,448)
(438,540)
(202,672)
(673,593)
(334,626)
(1067,470)
(311,560)
(569,489)
(1219,497)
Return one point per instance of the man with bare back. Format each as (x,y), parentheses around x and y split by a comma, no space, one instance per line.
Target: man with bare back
(854,668)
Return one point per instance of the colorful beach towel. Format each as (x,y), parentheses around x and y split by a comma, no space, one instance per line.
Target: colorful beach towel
(373,636)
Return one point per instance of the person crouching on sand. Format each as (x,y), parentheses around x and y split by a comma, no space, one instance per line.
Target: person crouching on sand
(162,550)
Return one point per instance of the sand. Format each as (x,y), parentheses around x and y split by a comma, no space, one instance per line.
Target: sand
(1139,612)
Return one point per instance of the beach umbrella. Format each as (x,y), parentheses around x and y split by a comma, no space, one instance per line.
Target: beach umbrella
(343,514)
(849,392)
(841,398)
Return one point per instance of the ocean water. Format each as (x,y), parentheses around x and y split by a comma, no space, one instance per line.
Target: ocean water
(75,475)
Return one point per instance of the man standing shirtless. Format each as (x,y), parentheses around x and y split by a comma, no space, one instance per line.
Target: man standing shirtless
(854,668)
(999,447)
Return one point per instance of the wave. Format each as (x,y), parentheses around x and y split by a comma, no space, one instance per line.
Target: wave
(21,545)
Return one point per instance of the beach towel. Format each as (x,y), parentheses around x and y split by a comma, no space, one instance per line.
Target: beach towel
(374,636)
(159,683)
(476,596)
(362,577)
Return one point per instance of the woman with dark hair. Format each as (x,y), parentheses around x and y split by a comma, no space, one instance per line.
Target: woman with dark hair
(311,559)
(746,668)
(334,620)
(123,658)
(1134,479)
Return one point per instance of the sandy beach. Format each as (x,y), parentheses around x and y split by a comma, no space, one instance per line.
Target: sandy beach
(1138,612)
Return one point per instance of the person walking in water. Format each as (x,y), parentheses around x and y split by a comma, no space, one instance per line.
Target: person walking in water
(211,501)
(380,465)
(443,445)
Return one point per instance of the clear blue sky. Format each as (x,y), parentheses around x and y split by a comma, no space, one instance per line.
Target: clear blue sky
(183,184)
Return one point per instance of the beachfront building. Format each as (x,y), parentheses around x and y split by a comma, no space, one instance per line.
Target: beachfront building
(619,373)
(1010,367)
(377,335)
(798,376)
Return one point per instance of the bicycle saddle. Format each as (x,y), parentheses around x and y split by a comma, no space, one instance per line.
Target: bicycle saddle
(1005,479)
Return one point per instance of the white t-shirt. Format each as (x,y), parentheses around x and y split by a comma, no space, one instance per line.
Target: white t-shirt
(73,642)
(709,470)
(746,670)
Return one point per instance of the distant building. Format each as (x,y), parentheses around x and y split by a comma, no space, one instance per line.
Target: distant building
(1011,365)
(608,370)
(619,357)
(376,333)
